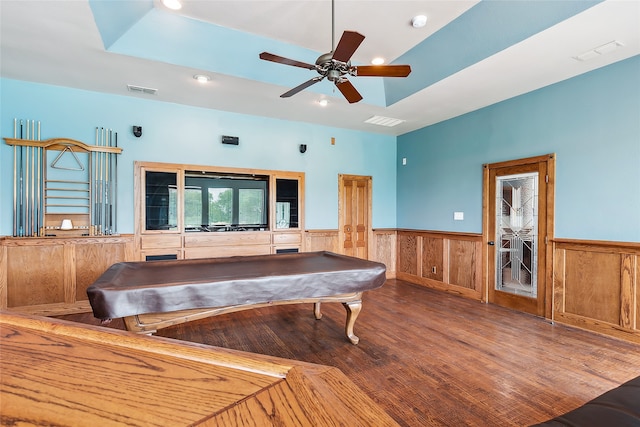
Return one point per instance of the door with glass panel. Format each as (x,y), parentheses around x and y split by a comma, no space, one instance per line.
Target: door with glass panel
(519,221)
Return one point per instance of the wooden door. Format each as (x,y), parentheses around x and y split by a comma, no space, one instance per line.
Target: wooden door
(518,211)
(354,214)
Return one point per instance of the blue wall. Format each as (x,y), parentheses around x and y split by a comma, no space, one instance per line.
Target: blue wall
(592,123)
(182,134)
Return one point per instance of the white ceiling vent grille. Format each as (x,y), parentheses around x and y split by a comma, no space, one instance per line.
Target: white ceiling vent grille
(600,50)
(142,89)
(383,121)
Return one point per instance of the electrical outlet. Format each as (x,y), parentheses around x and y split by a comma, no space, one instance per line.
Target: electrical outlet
(458,216)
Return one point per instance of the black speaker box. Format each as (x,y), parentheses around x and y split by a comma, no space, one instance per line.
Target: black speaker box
(233,140)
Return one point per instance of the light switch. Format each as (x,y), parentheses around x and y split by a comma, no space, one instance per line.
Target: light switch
(458,216)
(404,160)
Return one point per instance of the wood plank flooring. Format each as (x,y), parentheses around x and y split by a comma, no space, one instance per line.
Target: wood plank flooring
(433,359)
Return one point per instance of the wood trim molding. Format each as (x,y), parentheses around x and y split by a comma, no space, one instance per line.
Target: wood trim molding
(518,162)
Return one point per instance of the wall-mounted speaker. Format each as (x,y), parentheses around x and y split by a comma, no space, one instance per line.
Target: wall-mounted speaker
(137,131)
(303,148)
(232,140)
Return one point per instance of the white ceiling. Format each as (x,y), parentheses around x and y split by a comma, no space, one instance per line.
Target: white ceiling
(58,42)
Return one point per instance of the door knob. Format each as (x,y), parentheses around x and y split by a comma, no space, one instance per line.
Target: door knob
(491,243)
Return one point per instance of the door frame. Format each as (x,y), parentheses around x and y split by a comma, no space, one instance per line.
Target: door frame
(369,181)
(546,240)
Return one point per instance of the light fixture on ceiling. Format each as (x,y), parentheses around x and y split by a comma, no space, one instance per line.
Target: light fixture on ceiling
(384,121)
(323,102)
(202,78)
(172,4)
(419,21)
(597,51)
(377,61)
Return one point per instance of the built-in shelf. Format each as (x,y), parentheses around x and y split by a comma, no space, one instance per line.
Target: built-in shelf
(192,211)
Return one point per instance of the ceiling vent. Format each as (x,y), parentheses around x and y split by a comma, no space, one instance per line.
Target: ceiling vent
(142,89)
(383,121)
(600,50)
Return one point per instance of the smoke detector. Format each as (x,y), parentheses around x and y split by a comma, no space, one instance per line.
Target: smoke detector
(419,21)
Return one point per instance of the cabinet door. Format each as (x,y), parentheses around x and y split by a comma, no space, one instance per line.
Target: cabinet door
(160,201)
(33,277)
(287,204)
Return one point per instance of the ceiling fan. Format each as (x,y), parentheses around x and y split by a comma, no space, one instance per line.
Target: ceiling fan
(336,65)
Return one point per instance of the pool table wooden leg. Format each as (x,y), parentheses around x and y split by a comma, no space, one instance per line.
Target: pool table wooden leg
(316,311)
(353,309)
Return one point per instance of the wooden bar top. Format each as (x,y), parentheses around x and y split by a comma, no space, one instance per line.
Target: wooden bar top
(55,372)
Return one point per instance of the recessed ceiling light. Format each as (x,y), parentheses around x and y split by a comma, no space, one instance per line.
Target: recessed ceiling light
(202,78)
(172,4)
(377,61)
(419,21)
(323,102)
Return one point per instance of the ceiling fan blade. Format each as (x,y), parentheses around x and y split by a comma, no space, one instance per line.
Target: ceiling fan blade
(347,45)
(301,87)
(349,91)
(382,70)
(286,61)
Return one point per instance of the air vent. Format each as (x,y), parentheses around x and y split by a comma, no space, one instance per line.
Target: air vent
(600,50)
(383,121)
(142,89)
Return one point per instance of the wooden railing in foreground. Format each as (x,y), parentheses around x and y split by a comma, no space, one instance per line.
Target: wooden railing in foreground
(60,373)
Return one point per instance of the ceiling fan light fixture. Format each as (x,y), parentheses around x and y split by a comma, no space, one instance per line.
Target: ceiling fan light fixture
(336,66)
(172,4)
(419,21)
(202,78)
(377,61)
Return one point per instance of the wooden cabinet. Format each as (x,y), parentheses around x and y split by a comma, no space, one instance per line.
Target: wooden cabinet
(191,211)
(50,276)
(208,245)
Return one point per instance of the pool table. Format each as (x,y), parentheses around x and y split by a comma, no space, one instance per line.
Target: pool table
(156,294)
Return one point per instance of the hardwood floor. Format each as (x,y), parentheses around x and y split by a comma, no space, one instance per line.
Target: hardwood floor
(430,358)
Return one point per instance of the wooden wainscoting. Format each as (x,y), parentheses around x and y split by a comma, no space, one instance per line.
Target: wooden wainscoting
(450,262)
(382,246)
(321,240)
(596,286)
(50,276)
(384,249)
